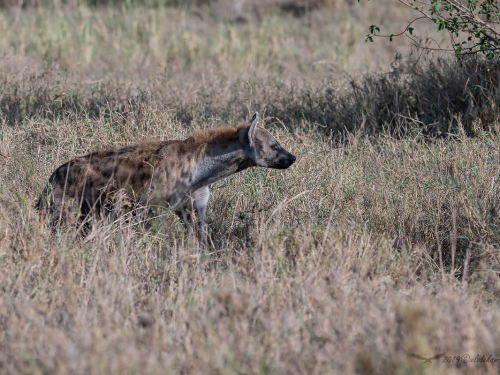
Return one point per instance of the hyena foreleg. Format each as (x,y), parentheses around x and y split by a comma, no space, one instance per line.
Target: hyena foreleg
(201,197)
(195,212)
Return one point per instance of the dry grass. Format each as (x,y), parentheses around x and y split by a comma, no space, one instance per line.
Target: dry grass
(362,253)
(174,41)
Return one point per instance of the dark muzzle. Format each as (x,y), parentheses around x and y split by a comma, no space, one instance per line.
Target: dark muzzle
(286,160)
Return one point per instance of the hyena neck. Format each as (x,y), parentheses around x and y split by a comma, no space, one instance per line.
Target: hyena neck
(218,162)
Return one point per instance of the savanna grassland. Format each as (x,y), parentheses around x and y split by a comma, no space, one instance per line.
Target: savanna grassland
(380,242)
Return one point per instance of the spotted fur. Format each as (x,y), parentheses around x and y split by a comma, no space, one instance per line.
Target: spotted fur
(175,173)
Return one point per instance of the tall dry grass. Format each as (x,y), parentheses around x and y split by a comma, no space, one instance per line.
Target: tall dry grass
(350,260)
(364,252)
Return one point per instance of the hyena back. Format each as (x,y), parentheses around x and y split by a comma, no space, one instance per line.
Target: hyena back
(175,173)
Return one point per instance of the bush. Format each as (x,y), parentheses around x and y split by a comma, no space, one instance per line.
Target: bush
(433,97)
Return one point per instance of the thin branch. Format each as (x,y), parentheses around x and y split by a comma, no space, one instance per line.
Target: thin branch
(402,32)
(455,19)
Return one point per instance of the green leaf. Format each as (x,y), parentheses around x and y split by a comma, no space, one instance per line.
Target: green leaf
(438,7)
(410,30)
(390,38)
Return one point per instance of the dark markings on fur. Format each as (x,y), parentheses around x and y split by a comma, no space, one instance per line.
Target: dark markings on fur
(158,173)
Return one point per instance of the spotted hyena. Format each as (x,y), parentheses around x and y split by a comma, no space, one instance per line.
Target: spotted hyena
(175,173)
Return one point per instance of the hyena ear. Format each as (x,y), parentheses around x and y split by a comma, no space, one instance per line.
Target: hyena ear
(253,128)
(247,135)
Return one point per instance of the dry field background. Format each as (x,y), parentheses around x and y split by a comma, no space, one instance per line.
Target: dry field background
(381,241)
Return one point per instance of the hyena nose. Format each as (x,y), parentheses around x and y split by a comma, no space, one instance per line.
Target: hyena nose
(293,158)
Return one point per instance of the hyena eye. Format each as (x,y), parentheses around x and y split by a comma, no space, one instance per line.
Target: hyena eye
(275,147)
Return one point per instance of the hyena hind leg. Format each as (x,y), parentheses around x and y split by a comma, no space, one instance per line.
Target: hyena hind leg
(143,213)
(49,206)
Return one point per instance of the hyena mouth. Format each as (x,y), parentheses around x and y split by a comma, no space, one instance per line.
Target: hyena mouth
(285,162)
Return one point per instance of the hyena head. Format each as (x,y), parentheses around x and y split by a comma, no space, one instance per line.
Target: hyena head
(263,148)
